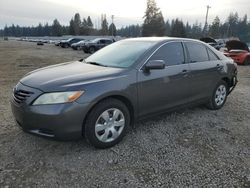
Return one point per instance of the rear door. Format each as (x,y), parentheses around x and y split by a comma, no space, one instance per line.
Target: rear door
(165,88)
(204,65)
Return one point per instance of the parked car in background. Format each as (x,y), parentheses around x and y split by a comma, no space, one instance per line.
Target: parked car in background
(238,51)
(67,43)
(212,42)
(78,45)
(57,43)
(96,44)
(40,43)
(100,97)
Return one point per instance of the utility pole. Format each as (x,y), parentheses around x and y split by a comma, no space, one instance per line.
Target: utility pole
(205,26)
(112,28)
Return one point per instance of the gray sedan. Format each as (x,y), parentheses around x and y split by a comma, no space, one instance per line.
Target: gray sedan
(101,96)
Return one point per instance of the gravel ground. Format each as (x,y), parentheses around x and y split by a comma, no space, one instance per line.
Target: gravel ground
(193,147)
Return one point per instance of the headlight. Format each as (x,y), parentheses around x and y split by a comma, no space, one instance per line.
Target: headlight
(58,97)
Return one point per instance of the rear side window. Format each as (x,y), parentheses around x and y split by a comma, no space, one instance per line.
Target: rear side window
(197,52)
(172,53)
(212,56)
(102,41)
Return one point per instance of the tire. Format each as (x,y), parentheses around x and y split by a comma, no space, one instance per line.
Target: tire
(92,50)
(101,130)
(219,96)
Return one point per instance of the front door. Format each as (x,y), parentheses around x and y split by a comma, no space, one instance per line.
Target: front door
(165,88)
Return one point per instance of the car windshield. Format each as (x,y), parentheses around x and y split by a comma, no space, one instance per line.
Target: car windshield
(121,54)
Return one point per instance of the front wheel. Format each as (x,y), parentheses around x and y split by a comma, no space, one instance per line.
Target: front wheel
(107,123)
(219,96)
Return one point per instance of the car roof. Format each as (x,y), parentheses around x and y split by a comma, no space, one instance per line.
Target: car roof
(102,39)
(161,39)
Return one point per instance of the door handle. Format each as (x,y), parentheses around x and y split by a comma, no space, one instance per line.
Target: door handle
(219,67)
(185,72)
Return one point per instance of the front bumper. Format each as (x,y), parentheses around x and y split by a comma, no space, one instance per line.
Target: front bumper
(234,83)
(59,121)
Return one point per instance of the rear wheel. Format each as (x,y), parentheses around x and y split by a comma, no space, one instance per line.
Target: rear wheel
(92,50)
(219,96)
(107,123)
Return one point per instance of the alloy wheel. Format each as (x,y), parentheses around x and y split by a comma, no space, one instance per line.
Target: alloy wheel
(109,125)
(220,95)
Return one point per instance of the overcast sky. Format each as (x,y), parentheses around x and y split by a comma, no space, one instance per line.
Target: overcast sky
(31,12)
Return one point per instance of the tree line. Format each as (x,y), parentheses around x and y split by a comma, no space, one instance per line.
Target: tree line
(77,26)
(154,25)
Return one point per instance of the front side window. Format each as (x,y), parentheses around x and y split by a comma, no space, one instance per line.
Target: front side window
(172,53)
(197,52)
(108,41)
(102,41)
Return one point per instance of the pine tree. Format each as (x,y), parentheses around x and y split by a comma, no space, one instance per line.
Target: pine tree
(104,30)
(77,24)
(178,29)
(167,28)
(71,27)
(112,29)
(233,20)
(244,29)
(188,29)
(89,22)
(154,24)
(56,28)
(84,27)
(214,30)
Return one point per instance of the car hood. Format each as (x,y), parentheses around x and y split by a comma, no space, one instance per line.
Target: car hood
(70,75)
(236,45)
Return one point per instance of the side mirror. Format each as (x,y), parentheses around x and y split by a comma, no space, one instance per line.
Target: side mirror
(154,65)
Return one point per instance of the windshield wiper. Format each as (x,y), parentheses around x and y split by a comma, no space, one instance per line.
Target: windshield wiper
(95,63)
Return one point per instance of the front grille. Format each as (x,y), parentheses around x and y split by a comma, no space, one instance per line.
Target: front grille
(20,96)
